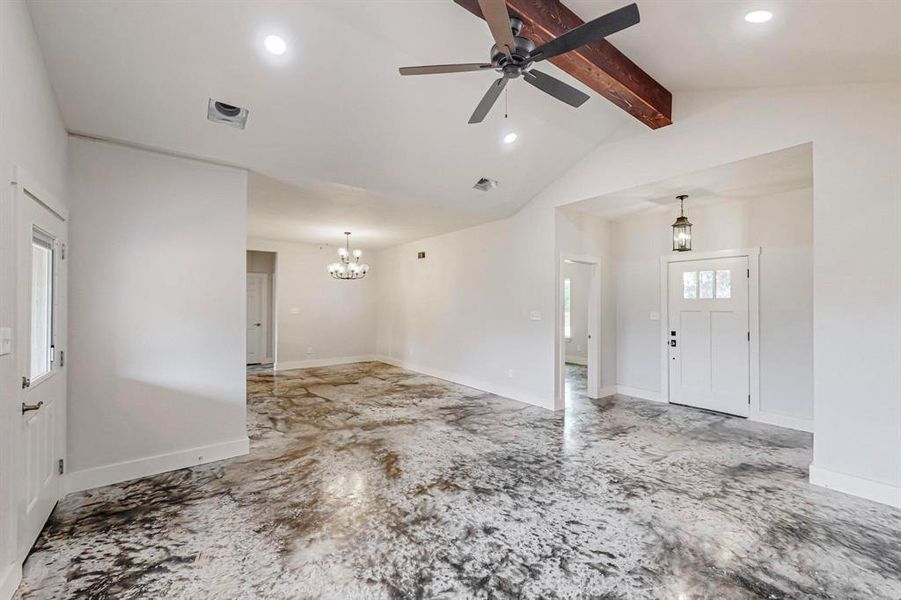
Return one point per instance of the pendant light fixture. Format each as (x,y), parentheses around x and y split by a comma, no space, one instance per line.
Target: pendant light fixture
(682,228)
(350,266)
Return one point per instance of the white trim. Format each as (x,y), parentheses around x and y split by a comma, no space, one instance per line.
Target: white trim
(10,580)
(593,347)
(753,254)
(28,184)
(786,421)
(153,465)
(651,395)
(606,391)
(577,360)
(856,486)
(324,362)
(506,392)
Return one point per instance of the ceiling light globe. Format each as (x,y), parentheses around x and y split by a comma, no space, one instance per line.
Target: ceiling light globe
(275,45)
(510,138)
(758,16)
(358,253)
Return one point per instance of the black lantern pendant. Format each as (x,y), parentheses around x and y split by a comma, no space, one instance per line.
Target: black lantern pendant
(681,228)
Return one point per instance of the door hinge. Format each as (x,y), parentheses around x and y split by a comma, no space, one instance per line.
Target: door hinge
(62,358)
(749,336)
(61,466)
(749,273)
(26,382)
(749,398)
(62,252)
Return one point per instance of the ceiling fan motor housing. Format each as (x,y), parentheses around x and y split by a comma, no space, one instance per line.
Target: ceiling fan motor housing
(524,47)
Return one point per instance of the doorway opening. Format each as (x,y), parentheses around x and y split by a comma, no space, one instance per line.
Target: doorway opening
(260,310)
(579,335)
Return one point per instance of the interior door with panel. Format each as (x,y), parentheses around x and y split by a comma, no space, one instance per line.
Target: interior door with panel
(256,317)
(709,334)
(41,342)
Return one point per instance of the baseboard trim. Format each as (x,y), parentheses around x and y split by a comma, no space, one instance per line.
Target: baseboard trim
(876,491)
(324,362)
(9,580)
(639,393)
(577,360)
(782,421)
(506,392)
(153,465)
(610,390)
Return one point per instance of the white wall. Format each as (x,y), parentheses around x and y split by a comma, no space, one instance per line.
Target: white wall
(157,312)
(856,135)
(579,275)
(782,225)
(464,312)
(320,320)
(31,136)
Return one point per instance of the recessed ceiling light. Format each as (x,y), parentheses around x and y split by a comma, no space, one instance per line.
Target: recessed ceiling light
(275,45)
(510,138)
(758,16)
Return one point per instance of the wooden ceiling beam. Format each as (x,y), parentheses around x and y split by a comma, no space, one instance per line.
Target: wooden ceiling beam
(598,65)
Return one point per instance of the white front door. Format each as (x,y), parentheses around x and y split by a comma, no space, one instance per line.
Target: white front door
(41,343)
(709,334)
(257,298)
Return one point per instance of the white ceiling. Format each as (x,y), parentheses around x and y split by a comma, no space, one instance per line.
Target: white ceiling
(764,175)
(333,119)
(706,44)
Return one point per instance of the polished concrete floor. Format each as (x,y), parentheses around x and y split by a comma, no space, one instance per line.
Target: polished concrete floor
(368,481)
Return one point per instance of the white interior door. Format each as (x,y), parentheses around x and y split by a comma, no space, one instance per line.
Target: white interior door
(709,334)
(257,298)
(41,342)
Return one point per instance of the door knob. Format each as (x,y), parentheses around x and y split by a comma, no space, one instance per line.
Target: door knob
(257,324)
(29,407)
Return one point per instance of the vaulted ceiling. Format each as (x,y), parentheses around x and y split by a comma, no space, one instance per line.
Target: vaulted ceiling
(332,125)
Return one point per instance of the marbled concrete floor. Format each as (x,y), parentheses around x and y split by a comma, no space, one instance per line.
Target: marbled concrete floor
(368,481)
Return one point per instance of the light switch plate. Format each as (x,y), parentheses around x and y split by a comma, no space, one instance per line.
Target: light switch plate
(295,311)
(655,316)
(6,340)
(535,315)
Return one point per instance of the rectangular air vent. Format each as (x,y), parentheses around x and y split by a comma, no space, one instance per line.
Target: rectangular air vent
(485,184)
(221,112)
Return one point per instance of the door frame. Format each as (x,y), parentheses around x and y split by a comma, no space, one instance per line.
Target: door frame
(27,190)
(593,346)
(753,256)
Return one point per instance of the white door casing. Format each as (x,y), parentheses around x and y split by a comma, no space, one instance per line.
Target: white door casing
(709,334)
(593,354)
(41,237)
(257,317)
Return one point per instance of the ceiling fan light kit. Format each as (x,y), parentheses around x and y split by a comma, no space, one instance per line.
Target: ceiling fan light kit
(514,56)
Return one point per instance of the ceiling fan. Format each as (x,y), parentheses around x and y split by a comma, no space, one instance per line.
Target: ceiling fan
(514,56)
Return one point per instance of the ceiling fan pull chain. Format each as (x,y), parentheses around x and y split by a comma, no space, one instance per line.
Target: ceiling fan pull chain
(506,96)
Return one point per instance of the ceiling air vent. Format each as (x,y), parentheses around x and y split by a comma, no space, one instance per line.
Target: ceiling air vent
(485,184)
(220,112)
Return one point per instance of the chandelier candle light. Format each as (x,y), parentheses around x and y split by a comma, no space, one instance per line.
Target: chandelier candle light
(681,229)
(348,268)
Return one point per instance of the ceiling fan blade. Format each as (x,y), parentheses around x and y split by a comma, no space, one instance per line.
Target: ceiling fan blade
(437,69)
(488,101)
(495,12)
(586,33)
(556,88)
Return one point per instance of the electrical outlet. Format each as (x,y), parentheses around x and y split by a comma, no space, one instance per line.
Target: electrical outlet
(309,349)
(6,340)
(535,315)
(510,373)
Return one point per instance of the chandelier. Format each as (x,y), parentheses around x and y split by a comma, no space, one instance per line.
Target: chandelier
(348,268)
